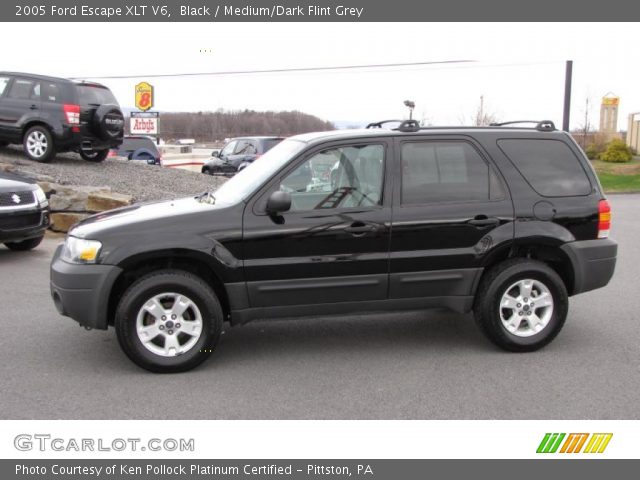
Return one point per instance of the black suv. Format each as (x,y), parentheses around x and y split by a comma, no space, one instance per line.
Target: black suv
(239,153)
(48,115)
(505,221)
(24,212)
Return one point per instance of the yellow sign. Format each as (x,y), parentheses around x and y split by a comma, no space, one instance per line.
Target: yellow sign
(610,100)
(144,96)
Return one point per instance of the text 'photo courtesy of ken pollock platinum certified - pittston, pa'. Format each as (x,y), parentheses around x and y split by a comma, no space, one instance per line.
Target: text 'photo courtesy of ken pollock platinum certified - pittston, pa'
(218,11)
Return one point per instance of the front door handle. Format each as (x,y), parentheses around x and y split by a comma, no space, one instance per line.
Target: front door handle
(484,221)
(359,229)
(33,107)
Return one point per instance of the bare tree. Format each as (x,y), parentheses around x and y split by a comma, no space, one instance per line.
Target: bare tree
(483,117)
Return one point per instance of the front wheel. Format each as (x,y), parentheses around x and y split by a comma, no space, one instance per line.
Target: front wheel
(521,305)
(169,321)
(94,155)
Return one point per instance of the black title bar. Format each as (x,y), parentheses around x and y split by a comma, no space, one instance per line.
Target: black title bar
(319,11)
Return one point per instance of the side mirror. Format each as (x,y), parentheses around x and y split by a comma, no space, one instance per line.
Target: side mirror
(215,153)
(278,202)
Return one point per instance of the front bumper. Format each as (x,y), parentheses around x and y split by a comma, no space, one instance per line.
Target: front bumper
(593,261)
(82,291)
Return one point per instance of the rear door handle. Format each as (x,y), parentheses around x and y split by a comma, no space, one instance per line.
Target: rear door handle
(484,221)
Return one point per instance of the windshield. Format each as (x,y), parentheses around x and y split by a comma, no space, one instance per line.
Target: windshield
(245,182)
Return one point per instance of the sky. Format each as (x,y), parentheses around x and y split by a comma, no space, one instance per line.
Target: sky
(518,67)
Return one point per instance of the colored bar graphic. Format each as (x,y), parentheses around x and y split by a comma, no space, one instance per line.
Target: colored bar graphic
(598,442)
(550,443)
(574,443)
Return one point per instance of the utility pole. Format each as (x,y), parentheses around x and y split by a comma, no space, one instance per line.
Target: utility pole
(567,95)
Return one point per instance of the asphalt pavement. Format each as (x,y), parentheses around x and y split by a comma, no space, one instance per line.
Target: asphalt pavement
(433,365)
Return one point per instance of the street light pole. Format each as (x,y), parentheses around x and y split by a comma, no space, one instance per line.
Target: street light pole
(567,95)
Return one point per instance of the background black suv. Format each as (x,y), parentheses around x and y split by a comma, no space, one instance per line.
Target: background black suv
(502,221)
(238,153)
(24,212)
(49,115)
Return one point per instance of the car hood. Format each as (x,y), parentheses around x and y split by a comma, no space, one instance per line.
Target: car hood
(136,217)
(14,183)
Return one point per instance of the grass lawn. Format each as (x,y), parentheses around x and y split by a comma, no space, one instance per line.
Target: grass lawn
(619,177)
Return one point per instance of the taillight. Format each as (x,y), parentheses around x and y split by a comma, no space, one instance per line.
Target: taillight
(604,219)
(72,114)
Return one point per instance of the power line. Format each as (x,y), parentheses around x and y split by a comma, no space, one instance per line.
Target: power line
(277,70)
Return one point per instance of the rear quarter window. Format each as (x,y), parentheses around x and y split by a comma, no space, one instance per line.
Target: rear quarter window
(549,166)
(95,95)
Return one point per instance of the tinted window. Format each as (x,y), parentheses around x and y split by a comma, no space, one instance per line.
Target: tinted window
(343,177)
(136,143)
(51,92)
(25,90)
(269,144)
(444,172)
(549,166)
(3,84)
(92,95)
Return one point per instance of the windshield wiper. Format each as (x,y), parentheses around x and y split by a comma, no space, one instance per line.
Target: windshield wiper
(206,197)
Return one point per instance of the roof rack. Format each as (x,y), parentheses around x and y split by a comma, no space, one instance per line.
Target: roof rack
(541,125)
(405,125)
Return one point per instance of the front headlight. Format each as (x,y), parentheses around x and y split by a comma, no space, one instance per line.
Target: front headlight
(41,197)
(79,250)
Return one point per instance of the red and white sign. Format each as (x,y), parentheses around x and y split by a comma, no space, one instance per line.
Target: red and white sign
(144,125)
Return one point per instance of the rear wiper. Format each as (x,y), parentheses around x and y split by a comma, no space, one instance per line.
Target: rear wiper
(206,197)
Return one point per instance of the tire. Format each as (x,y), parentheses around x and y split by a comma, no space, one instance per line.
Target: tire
(107,122)
(24,245)
(134,313)
(206,171)
(498,316)
(38,144)
(95,155)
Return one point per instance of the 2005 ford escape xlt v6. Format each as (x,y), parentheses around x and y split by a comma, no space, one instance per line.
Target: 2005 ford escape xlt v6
(504,221)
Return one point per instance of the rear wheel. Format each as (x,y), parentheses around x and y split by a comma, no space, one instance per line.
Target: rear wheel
(38,144)
(521,305)
(94,155)
(25,244)
(169,321)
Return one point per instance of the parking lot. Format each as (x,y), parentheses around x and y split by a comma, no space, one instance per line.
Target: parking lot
(432,365)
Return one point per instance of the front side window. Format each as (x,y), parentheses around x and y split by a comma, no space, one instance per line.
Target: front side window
(341,177)
(449,171)
(245,147)
(228,148)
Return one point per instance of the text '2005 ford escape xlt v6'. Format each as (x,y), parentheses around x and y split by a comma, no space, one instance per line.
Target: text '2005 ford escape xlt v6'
(505,221)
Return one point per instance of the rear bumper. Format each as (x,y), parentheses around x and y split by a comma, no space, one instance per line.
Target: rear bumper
(593,261)
(82,291)
(66,139)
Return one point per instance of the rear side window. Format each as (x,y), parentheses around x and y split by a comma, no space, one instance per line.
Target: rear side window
(23,89)
(549,166)
(445,172)
(269,144)
(51,92)
(4,81)
(93,95)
